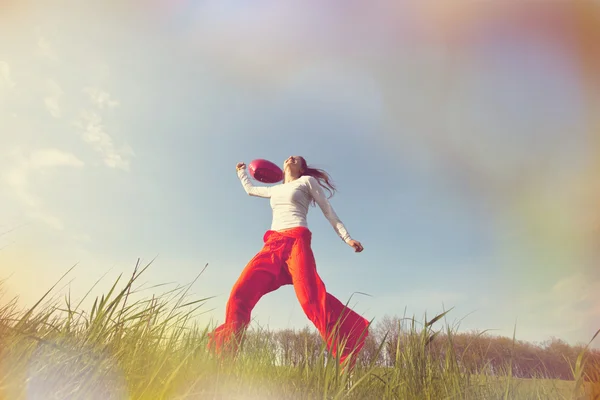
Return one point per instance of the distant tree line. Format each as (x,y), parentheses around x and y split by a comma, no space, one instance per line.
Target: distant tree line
(391,342)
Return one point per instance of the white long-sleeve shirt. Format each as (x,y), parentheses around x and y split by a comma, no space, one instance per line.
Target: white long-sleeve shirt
(290,202)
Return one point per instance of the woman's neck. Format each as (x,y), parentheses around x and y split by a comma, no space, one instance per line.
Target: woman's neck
(288,177)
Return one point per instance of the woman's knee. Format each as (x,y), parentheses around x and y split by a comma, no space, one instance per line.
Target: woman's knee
(247,292)
(311,306)
(238,297)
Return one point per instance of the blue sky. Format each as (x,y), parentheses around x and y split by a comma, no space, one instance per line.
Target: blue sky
(465,172)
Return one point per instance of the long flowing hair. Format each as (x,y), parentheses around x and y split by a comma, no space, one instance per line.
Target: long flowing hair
(320,175)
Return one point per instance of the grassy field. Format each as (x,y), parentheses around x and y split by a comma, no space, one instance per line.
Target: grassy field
(151,349)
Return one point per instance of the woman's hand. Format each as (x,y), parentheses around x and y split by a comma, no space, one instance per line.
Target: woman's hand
(240,165)
(357,246)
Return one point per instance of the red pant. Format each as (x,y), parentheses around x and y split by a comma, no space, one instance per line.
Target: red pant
(287,258)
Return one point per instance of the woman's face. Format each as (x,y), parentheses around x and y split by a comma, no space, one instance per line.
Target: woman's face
(293,164)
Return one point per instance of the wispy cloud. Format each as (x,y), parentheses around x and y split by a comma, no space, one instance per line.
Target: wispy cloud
(16,178)
(93,133)
(567,309)
(100,98)
(52,99)
(47,218)
(47,158)
(5,78)
(45,48)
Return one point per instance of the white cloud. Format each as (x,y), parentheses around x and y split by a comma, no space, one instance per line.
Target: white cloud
(53,158)
(16,177)
(567,309)
(100,98)
(48,219)
(5,78)
(52,106)
(94,134)
(51,101)
(45,49)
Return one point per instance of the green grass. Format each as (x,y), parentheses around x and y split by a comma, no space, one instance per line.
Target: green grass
(151,348)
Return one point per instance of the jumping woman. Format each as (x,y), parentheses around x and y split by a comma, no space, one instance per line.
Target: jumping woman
(287,258)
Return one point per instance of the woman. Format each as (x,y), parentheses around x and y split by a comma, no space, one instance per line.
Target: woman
(287,258)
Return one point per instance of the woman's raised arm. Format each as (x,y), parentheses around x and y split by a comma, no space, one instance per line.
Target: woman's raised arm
(257,191)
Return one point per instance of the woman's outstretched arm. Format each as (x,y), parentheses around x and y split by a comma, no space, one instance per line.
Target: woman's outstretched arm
(317,193)
(258,191)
